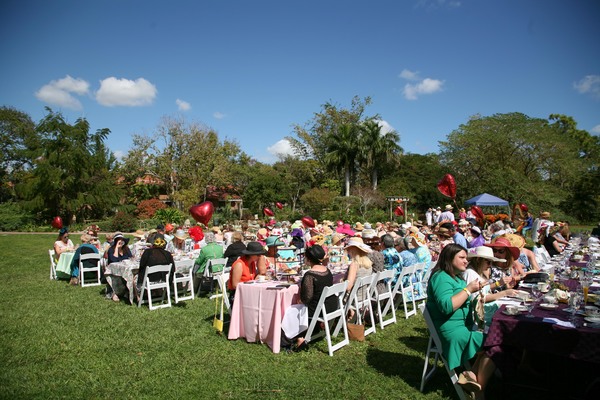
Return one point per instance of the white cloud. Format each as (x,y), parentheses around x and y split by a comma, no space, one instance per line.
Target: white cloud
(426,86)
(119,154)
(282,148)
(218,115)
(183,105)
(385,126)
(409,75)
(125,92)
(590,84)
(596,129)
(59,92)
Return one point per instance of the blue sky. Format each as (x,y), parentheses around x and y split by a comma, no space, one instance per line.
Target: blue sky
(252,69)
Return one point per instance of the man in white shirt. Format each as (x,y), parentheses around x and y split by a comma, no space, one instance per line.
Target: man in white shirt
(447,214)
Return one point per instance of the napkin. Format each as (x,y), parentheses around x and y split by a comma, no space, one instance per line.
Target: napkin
(558,322)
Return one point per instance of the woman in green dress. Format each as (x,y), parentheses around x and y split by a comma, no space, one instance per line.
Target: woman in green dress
(448,304)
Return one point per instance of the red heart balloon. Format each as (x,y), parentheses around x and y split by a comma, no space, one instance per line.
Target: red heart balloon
(308,221)
(279,205)
(477,212)
(447,186)
(57,222)
(524,207)
(202,212)
(268,211)
(398,211)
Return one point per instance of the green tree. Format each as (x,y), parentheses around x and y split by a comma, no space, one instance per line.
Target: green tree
(297,176)
(73,176)
(376,148)
(342,151)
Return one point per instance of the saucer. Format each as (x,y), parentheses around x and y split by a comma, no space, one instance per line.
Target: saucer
(593,320)
(548,306)
(507,313)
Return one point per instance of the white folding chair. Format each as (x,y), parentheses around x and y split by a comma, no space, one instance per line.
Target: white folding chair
(162,282)
(384,299)
(185,278)
(321,315)
(434,348)
(222,279)
(52,254)
(95,257)
(420,289)
(208,271)
(406,292)
(362,285)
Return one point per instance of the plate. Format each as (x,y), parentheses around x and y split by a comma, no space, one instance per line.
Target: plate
(507,313)
(548,306)
(593,320)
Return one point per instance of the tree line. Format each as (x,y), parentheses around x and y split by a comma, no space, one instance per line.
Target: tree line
(344,166)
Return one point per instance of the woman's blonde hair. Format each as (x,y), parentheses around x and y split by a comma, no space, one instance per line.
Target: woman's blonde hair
(237,236)
(359,257)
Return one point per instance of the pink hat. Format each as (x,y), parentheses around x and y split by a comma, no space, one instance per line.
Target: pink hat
(345,229)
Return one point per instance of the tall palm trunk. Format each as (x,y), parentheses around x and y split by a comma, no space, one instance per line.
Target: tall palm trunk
(374,179)
(347,180)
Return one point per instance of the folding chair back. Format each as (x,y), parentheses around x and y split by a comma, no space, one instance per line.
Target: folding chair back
(419,288)
(95,257)
(158,282)
(364,306)
(222,279)
(385,298)
(321,315)
(209,272)
(186,278)
(52,254)
(434,348)
(407,292)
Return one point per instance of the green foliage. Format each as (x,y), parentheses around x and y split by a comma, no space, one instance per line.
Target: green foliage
(170,214)
(13,217)
(316,200)
(123,222)
(147,208)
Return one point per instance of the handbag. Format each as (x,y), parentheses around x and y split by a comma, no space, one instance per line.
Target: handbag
(479,311)
(218,322)
(356,332)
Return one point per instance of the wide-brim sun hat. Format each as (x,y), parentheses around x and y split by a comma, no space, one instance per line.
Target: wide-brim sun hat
(180,234)
(449,207)
(140,234)
(120,236)
(254,249)
(483,252)
(274,241)
(515,240)
(359,244)
(501,242)
(345,229)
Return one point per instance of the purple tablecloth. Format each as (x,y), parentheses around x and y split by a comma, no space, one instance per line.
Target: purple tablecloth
(582,343)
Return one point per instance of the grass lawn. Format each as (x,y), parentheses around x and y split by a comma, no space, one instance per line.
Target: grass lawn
(59,341)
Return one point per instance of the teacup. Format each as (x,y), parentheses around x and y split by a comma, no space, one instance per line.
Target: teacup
(544,287)
(550,299)
(261,278)
(512,310)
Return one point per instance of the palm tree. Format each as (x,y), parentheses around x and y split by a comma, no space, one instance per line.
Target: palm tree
(377,148)
(342,150)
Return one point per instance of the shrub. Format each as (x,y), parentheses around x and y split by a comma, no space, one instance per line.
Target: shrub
(14,218)
(123,222)
(147,208)
(172,215)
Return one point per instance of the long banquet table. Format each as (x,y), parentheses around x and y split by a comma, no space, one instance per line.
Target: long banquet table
(258,310)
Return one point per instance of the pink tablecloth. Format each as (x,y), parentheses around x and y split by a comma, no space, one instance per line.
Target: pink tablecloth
(257,312)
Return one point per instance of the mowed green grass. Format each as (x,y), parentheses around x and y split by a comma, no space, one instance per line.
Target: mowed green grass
(58,341)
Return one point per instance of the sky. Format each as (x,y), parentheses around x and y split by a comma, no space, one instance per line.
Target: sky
(251,70)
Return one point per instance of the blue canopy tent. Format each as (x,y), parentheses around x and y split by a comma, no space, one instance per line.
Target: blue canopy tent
(485,199)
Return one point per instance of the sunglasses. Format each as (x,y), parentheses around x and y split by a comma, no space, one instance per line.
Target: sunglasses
(502,251)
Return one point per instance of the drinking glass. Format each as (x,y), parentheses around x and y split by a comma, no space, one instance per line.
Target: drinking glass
(574,304)
(529,305)
(586,282)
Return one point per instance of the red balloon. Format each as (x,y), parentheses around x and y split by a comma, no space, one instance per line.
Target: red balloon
(279,205)
(447,186)
(268,211)
(202,212)
(524,207)
(57,222)
(398,211)
(477,212)
(308,221)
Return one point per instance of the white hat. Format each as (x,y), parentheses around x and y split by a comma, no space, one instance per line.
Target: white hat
(449,207)
(483,252)
(358,243)
(475,229)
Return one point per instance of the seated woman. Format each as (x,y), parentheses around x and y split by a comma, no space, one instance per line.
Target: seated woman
(235,249)
(391,256)
(156,255)
(117,252)
(247,267)
(210,251)
(479,268)
(314,281)
(85,248)
(448,304)
(549,241)
(360,264)
(506,274)
(63,243)
(526,256)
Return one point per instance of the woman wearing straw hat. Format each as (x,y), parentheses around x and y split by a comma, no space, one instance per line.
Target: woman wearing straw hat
(479,268)
(506,274)
(360,264)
